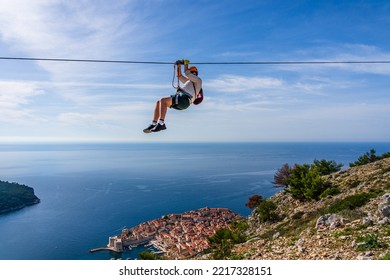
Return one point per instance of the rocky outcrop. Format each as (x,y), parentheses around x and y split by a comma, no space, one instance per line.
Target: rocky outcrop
(384,206)
(331,221)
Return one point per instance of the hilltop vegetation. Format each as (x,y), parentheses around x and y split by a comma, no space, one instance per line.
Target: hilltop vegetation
(15,196)
(322,212)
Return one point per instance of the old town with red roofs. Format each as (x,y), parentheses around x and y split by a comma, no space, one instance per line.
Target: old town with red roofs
(176,235)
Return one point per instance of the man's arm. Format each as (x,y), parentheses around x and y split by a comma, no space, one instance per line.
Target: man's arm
(182,78)
(191,76)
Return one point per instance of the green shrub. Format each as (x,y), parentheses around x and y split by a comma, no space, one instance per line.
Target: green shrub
(369,242)
(223,241)
(345,232)
(386,257)
(239,226)
(385,170)
(354,184)
(350,202)
(327,167)
(305,182)
(267,211)
(146,255)
(329,192)
(369,157)
(364,159)
(385,155)
(297,215)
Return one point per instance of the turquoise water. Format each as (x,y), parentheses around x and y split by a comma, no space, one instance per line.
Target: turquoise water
(89,192)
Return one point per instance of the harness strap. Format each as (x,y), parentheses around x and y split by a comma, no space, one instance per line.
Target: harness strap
(177,99)
(193,84)
(183,92)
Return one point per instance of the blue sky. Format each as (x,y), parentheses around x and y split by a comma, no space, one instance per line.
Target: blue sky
(57,101)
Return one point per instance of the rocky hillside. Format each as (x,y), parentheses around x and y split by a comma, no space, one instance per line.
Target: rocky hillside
(354,224)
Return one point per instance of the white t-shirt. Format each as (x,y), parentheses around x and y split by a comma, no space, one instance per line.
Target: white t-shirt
(188,81)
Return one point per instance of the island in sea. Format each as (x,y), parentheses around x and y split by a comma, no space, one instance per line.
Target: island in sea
(175,235)
(14,196)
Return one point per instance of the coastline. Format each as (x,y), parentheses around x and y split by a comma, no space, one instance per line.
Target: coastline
(20,207)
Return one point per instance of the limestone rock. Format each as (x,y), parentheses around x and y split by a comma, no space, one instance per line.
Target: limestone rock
(384,206)
(367,221)
(330,220)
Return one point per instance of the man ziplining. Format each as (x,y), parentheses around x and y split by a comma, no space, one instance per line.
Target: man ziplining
(190,93)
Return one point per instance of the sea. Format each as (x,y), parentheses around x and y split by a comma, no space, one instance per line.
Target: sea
(91,191)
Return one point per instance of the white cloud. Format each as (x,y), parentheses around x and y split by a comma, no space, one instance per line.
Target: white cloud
(69,29)
(109,116)
(269,90)
(15,102)
(359,52)
(75,117)
(13,94)
(60,27)
(238,83)
(340,53)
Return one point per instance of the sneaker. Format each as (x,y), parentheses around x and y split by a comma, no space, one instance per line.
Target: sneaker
(159,127)
(150,128)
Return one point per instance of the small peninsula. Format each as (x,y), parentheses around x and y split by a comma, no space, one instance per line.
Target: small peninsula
(14,196)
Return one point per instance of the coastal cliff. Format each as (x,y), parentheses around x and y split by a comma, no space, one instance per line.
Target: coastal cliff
(14,196)
(352,224)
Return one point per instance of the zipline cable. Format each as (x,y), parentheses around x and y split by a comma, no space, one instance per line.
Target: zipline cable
(198,63)
(83,60)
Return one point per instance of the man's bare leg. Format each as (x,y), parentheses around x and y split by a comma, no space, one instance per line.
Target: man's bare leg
(160,111)
(164,104)
(157,110)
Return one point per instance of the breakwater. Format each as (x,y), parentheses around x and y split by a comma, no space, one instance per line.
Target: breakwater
(103,249)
